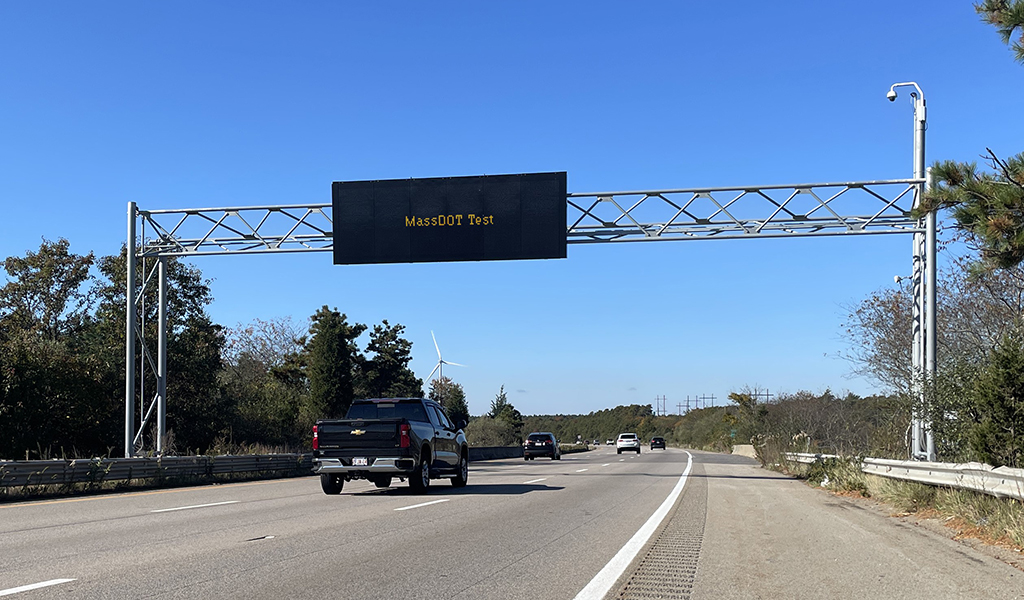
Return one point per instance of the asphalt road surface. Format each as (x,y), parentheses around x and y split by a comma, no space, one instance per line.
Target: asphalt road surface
(539,529)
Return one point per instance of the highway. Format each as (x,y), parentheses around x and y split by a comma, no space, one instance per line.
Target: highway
(539,529)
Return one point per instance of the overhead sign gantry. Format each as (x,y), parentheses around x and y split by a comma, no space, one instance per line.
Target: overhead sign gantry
(513,217)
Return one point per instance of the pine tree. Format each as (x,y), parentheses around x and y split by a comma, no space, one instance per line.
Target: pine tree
(988,206)
(387,374)
(998,435)
(332,360)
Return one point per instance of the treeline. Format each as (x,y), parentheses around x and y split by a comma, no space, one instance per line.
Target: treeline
(850,425)
(604,424)
(62,365)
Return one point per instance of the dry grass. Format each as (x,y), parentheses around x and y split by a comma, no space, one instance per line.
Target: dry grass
(993,520)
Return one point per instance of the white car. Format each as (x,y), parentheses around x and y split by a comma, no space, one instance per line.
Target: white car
(627,441)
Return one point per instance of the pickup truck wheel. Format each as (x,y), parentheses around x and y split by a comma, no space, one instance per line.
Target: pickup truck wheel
(463,476)
(331,484)
(420,482)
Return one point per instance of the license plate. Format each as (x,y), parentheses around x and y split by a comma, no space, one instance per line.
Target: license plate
(359,462)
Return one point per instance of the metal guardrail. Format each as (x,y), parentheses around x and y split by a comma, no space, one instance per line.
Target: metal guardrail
(1003,482)
(99,470)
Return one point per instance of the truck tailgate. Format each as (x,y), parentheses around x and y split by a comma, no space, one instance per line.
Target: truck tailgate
(358,434)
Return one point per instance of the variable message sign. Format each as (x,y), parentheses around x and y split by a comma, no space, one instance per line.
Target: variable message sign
(442,219)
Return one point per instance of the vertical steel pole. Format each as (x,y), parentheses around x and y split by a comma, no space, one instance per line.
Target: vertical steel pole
(129,337)
(930,313)
(161,361)
(916,354)
(923,352)
(925,254)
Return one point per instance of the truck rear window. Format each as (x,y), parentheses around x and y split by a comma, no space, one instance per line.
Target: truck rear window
(412,411)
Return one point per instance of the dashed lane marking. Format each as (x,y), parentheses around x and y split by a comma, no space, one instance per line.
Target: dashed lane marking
(194,506)
(535,480)
(33,586)
(424,504)
(580,470)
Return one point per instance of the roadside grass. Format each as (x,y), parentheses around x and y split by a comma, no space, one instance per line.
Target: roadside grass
(991,519)
(838,475)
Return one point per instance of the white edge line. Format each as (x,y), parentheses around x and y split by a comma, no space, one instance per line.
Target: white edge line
(606,577)
(195,506)
(33,586)
(535,480)
(424,504)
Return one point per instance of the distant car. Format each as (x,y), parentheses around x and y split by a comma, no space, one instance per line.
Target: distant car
(541,443)
(610,442)
(657,442)
(627,441)
(597,442)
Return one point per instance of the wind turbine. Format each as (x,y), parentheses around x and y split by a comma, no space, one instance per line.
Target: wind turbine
(439,369)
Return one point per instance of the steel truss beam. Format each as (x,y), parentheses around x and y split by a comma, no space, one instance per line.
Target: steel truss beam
(238,230)
(813,209)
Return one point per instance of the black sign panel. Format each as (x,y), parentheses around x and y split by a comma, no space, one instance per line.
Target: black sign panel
(441,219)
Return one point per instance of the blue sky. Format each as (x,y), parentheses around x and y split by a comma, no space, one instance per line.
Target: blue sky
(193,104)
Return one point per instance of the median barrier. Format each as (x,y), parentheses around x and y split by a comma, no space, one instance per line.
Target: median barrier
(494,452)
(99,470)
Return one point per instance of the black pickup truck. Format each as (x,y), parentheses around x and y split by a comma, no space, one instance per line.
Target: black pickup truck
(383,438)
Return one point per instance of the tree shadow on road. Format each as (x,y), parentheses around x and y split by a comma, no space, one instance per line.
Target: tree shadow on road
(442,489)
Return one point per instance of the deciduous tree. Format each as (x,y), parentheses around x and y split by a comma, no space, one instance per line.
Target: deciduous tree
(452,397)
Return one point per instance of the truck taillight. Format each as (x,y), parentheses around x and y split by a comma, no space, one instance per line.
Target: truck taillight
(404,441)
(316,439)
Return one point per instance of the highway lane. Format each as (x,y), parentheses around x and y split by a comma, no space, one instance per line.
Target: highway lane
(537,529)
(540,529)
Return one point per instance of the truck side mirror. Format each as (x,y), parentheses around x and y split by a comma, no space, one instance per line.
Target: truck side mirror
(461,424)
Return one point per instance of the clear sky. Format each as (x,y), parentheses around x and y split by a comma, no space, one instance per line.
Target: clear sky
(196,104)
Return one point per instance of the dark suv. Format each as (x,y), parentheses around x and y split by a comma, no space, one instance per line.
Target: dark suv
(657,442)
(541,443)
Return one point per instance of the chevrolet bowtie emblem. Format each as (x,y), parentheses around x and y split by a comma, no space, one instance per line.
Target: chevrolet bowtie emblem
(358,432)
